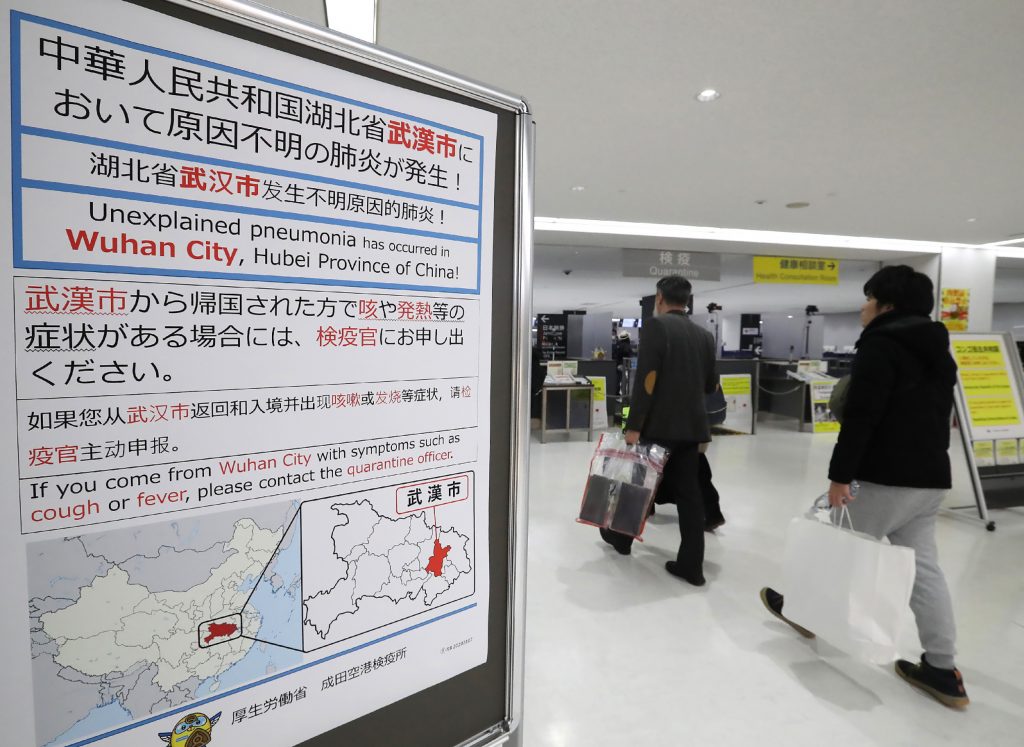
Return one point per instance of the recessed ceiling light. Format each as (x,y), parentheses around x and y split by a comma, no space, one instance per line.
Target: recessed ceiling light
(790,316)
(971,220)
(578,188)
(708,95)
(796,205)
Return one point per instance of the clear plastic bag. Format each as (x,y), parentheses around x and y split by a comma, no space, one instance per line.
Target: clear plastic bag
(621,486)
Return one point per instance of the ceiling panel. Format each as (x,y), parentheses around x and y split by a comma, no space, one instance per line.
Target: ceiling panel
(892,119)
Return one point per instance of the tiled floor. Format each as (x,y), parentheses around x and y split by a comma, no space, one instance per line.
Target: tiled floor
(620,653)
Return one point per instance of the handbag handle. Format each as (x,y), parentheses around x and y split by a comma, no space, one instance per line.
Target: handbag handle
(835,515)
(843,512)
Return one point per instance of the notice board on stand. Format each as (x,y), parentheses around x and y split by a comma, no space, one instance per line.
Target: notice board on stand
(990,410)
(263,408)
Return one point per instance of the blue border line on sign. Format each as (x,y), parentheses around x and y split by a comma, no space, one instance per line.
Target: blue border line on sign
(17,132)
(265,680)
(175,273)
(122,194)
(480,220)
(179,156)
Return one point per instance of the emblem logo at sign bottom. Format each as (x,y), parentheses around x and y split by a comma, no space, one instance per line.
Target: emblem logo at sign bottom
(193,730)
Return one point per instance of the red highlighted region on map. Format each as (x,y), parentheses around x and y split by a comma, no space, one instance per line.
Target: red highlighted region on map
(436,561)
(220,630)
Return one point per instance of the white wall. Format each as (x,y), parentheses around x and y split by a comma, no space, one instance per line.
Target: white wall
(597,333)
(780,333)
(730,331)
(703,319)
(729,328)
(842,329)
(975,270)
(310,10)
(1009,317)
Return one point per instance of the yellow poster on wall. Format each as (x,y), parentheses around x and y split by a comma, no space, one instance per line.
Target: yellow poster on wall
(796,270)
(956,304)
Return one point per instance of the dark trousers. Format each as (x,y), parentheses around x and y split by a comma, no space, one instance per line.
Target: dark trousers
(712,507)
(708,492)
(680,485)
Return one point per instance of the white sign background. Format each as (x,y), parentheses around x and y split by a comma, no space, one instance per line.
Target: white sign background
(375,413)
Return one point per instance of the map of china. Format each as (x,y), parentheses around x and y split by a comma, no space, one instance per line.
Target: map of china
(117,625)
(384,558)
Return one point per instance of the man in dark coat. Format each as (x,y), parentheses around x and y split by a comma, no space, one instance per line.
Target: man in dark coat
(676,368)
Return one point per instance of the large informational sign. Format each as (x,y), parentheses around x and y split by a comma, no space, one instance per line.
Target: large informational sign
(796,270)
(656,263)
(990,410)
(990,388)
(247,392)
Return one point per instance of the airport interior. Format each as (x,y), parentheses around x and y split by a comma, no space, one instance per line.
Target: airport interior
(780,156)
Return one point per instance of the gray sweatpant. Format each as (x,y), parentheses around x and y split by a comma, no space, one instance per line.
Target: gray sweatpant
(907,517)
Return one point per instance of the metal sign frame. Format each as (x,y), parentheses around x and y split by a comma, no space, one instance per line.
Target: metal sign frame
(963,421)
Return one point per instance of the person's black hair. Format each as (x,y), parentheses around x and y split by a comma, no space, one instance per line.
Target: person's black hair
(903,288)
(675,290)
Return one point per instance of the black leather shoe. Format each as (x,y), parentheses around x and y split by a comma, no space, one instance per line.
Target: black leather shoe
(613,539)
(712,524)
(673,567)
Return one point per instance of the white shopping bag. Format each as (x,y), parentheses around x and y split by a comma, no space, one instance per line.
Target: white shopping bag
(849,588)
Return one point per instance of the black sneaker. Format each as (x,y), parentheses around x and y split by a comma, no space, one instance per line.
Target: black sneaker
(773,601)
(945,685)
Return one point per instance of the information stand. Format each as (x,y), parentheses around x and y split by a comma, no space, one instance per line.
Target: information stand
(989,399)
(265,404)
(738,391)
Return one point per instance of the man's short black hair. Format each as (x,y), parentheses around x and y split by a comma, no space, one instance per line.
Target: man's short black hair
(903,288)
(675,290)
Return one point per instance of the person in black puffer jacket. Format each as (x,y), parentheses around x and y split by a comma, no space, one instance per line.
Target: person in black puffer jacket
(894,442)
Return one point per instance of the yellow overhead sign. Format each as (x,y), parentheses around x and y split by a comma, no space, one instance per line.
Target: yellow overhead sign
(796,270)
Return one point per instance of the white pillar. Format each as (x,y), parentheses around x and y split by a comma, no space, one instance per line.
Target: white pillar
(930,265)
(975,270)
